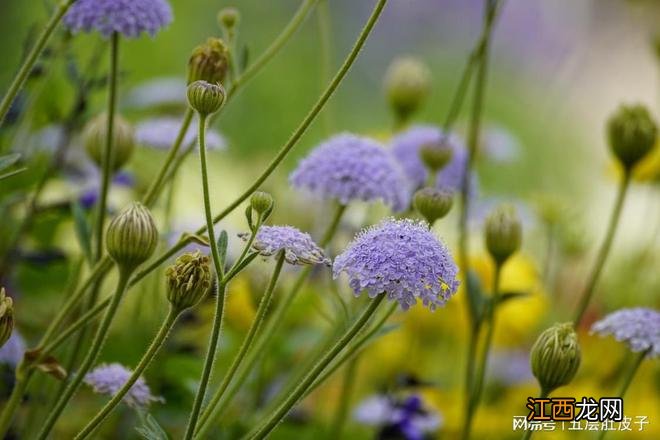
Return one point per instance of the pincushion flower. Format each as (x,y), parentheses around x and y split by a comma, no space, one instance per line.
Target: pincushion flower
(127,17)
(347,168)
(298,246)
(406,148)
(109,378)
(638,328)
(401,259)
(161,132)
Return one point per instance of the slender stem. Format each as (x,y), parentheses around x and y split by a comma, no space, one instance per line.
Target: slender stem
(220,301)
(346,392)
(459,95)
(156,187)
(604,250)
(528,433)
(25,69)
(475,396)
(273,419)
(208,416)
(148,356)
(325,40)
(222,400)
(277,44)
(627,380)
(90,358)
(107,162)
(22,379)
(551,228)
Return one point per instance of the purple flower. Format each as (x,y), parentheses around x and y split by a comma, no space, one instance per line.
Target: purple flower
(127,17)
(510,367)
(499,145)
(161,133)
(406,149)
(298,247)
(90,192)
(638,328)
(12,352)
(109,378)
(162,92)
(398,417)
(348,167)
(402,259)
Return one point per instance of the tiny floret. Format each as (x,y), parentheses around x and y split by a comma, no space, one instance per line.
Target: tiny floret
(410,148)
(401,259)
(349,168)
(638,328)
(110,378)
(130,18)
(298,246)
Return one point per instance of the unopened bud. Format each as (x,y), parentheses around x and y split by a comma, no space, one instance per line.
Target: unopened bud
(132,236)
(123,140)
(188,280)
(261,202)
(6,317)
(209,62)
(229,17)
(555,356)
(435,157)
(632,134)
(206,98)
(407,85)
(503,233)
(432,203)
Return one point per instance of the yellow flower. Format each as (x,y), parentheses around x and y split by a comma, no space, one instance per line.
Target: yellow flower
(240,307)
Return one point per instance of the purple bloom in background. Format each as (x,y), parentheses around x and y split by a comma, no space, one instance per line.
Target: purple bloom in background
(109,378)
(298,247)
(161,133)
(398,417)
(90,193)
(500,145)
(167,92)
(401,259)
(406,149)
(638,328)
(12,352)
(127,17)
(510,367)
(348,167)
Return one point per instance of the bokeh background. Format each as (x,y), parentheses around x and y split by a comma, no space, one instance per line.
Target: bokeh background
(559,68)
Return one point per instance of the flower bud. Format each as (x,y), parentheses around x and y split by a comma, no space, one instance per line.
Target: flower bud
(261,202)
(632,134)
(123,140)
(503,233)
(209,62)
(206,98)
(132,236)
(555,356)
(229,17)
(407,85)
(435,157)
(188,280)
(6,317)
(432,203)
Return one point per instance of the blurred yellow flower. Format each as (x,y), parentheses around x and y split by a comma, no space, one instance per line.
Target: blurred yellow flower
(240,306)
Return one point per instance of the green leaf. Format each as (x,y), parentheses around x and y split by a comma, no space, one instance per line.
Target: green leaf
(150,429)
(507,296)
(223,241)
(248,216)
(12,173)
(83,230)
(477,300)
(8,160)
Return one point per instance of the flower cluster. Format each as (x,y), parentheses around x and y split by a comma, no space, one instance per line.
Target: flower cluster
(638,328)
(127,17)
(298,246)
(349,168)
(401,259)
(110,378)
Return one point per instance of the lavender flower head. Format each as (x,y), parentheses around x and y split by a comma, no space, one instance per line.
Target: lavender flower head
(109,378)
(347,167)
(298,246)
(638,328)
(127,17)
(12,352)
(161,132)
(406,149)
(402,259)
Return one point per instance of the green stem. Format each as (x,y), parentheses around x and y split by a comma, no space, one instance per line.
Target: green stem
(276,45)
(475,331)
(273,419)
(208,416)
(475,396)
(25,69)
(156,187)
(148,356)
(90,358)
(22,379)
(627,380)
(528,433)
(459,95)
(220,301)
(107,162)
(325,40)
(345,394)
(222,400)
(605,247)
